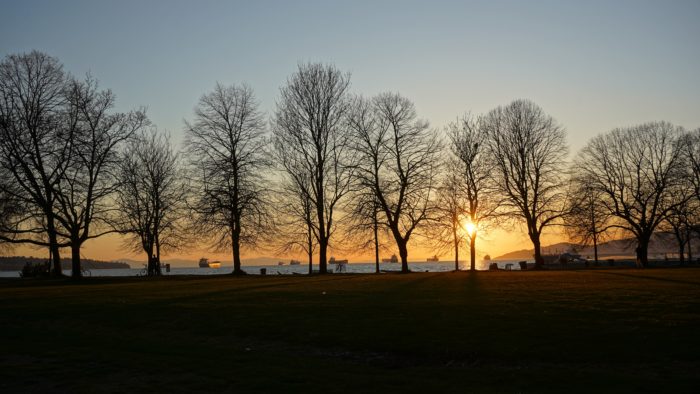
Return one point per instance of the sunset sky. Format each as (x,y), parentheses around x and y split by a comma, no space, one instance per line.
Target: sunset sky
(592,65)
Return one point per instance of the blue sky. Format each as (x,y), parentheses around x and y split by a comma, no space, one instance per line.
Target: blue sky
(593,65)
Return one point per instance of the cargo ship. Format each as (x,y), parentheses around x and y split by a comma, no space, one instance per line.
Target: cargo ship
(204,263)
(393,259)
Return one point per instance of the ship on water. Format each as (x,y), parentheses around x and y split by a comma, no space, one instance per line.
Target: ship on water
(393,259)
(433,259)
(205,263)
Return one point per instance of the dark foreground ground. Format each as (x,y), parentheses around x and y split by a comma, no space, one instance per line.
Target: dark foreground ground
(618,330)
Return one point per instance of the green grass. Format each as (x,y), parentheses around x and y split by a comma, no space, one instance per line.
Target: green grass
(620,330)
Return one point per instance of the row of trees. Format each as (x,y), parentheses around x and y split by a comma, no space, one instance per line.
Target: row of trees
(329,169)
(639,180)
(60,144)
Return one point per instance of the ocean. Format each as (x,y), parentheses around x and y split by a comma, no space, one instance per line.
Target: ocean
(353,268)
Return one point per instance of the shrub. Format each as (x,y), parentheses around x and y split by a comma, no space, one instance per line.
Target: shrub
(31,270)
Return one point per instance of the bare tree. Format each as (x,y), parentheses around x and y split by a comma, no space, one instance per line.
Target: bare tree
(35,145)
(637,171)
(692,157)
(364,206)
(529,151)
(226,147)
(473,170)
(151,197)
(682,218)
(447,231)
(10,210)
(397,162)
(587,221)
(295,221)
(84,195)
(691,153)
(308,129)
(363,229)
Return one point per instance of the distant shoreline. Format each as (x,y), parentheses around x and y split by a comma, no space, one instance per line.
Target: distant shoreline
(16,263)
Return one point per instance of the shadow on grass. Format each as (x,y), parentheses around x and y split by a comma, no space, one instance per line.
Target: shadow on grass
(289,282)
(629,275)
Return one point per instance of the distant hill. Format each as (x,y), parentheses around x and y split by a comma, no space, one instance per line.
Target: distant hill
(525,254)
(661,244)
(15,263)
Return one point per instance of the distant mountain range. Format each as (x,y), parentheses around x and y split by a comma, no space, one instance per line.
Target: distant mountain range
(660,245)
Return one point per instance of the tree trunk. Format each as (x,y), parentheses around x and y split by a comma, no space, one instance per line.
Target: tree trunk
(157,262)
(321,217)
(376,245)
(643,251)
(595,250)
(690,249)
(236,247)
(53,246)
(309,241)
(236,260)
(311,262)
(456,254)
(322,250)
(539,260)
(472,252)
(310,244)
(403,252)
(681,245)
(151,267)
(56,258)
(455,240)
(76,269)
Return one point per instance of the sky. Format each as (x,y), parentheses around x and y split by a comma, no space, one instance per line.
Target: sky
(593,65)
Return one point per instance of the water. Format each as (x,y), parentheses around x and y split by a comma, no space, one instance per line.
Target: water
(353,268)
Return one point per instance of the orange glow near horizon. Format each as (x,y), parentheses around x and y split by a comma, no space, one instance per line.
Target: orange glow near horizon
(494,242)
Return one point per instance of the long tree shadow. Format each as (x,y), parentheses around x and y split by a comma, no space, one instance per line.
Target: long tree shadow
(629,275)
(473,284)
(417,278)
(234,289)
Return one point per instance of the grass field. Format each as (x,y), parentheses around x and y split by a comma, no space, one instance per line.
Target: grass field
(621,330)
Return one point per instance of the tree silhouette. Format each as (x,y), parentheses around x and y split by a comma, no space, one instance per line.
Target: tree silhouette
(397,162)
(529,152)
(474,187)
(587,221)
(295,219)
(311,141)
(151,198)
(364,228)
(226,150)
(85,192)
(637,172)
(35,145)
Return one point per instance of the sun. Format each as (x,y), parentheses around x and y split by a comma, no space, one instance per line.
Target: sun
(470,228)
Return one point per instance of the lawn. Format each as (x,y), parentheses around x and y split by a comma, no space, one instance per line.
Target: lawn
(608,330)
